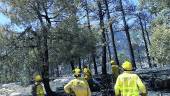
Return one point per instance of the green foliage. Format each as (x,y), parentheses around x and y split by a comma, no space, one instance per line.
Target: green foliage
(67,40)
(161,45)
(162,18)
(155,6)
(72,42)
(68,36)
(122,57)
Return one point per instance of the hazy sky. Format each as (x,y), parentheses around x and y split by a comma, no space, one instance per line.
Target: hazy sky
(5,20)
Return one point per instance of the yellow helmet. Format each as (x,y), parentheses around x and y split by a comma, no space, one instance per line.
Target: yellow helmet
(127,65)
(38,78)
(77,71)
(85,70)
(112,62)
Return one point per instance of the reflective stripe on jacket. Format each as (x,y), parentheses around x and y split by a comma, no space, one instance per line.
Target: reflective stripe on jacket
(129,84)
(79,86)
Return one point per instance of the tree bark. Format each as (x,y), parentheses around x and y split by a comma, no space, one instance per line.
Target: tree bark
(45,73)
(148,38)
(89,61)
(147,33)
(112,32)
(72,64)
(144,39)
(79,63)
(140,60)
(57,71)
(95,64)
(44,53)
(89,27)
(108,47)
(126,27)
(101,16)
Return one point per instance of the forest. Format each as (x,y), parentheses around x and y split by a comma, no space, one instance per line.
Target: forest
(53,37)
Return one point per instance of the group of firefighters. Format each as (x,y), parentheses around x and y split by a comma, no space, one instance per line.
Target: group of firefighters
(126,84)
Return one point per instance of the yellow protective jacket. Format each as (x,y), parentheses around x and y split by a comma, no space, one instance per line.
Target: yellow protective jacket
(115,71)
(87,73)
(78,86)
(39,90)
(129,84)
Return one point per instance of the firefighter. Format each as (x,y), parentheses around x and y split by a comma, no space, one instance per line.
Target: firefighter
(38,89)
(87,73)
(76,68)
(88,76)
(115,70)
(128,83)
(78,86)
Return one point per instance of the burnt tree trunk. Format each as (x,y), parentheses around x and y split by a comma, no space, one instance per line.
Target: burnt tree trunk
(147,33)
(139,57)
(144,39)
(112,32)
(126,28)
(72,64)
(95,64)
(148,38)
(89,61)
(45,73)
(101,17)
(57,71)
(89,27)
(44,54)
(79,63)
(108,47)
